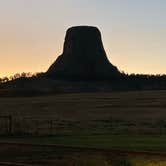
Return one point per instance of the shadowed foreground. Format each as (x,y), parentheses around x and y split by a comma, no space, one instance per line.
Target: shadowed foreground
(29,155)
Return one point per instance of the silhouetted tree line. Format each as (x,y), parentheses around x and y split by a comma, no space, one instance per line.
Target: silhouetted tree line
(143,81)
(122,82)
(18,76)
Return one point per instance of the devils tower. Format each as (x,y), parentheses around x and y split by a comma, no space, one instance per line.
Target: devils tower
(83,56)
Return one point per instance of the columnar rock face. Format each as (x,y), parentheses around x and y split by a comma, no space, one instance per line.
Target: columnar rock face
(83,56)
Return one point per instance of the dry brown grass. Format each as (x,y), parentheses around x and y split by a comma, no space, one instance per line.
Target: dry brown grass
(125,105)
(144,107)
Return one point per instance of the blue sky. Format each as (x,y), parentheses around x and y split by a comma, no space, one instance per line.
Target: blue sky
(32,32)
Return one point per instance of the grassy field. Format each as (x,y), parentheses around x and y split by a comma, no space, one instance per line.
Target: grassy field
(120,120)
(114,142)
(109,120)
(62,156)
(121,105)
(141,112)
(69,157)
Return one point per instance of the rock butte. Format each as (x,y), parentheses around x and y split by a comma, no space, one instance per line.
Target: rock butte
(83,56)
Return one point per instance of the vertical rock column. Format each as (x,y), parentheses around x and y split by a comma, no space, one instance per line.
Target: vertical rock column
(83,56)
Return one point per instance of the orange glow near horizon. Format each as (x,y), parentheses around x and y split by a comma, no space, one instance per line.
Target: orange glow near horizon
(32,33)
(38,58)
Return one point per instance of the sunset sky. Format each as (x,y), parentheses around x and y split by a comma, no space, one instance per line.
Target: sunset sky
(32,32)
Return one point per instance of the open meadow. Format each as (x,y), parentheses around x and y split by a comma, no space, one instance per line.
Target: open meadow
(141,112)
(122,121)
